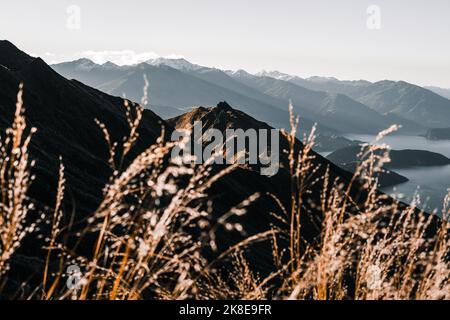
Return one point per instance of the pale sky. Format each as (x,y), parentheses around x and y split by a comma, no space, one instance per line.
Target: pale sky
(324,38)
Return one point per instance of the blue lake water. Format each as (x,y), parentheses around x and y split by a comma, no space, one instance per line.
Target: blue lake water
(431,183)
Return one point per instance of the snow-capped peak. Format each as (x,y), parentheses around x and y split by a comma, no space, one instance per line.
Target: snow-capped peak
(176,63)
(274,74)
(239,73)
(110,65)
(84,64)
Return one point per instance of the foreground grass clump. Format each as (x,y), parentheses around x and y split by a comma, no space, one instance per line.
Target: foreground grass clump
(149,235)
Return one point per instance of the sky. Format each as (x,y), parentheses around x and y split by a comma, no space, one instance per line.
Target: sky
(348,39)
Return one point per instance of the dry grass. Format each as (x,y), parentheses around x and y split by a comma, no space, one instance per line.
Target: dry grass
(15,179)
(146,246)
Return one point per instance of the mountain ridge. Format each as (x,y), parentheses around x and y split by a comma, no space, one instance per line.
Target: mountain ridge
(338,106)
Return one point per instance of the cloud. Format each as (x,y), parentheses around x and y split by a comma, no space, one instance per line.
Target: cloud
(120,57)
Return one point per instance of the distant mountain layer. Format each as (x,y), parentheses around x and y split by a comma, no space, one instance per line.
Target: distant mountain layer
(406,100)
(418,107)
(173,91)
(170,87)
(440,91)
(334,110)
(176,85)
(399,158)
(438,134)
(413,106)
(338,107)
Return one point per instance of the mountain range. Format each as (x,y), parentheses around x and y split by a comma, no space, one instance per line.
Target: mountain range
(427,106)
(339,107)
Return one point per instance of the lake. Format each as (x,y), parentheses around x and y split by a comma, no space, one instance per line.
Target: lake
(430,183)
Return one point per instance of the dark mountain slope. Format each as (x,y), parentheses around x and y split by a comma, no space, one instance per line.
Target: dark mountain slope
(11,57)
(225,117)
(63,112)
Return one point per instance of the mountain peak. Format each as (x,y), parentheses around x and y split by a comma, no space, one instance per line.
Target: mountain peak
(176,63)
(85,60)
(85,63)
(274,74)
(240,73)
(223,105)
(7,44)
(11,57)
(109,64)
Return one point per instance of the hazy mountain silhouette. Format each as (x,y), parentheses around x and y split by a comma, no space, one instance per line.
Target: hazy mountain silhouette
(407,101)
(336,111)
(326,84)
(90,73)
(438,134)
(440,91)
(173,91)
(168,87)
(337,105)
(399,158)
(414,107)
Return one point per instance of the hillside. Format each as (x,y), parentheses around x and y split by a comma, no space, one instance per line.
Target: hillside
(58,108)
